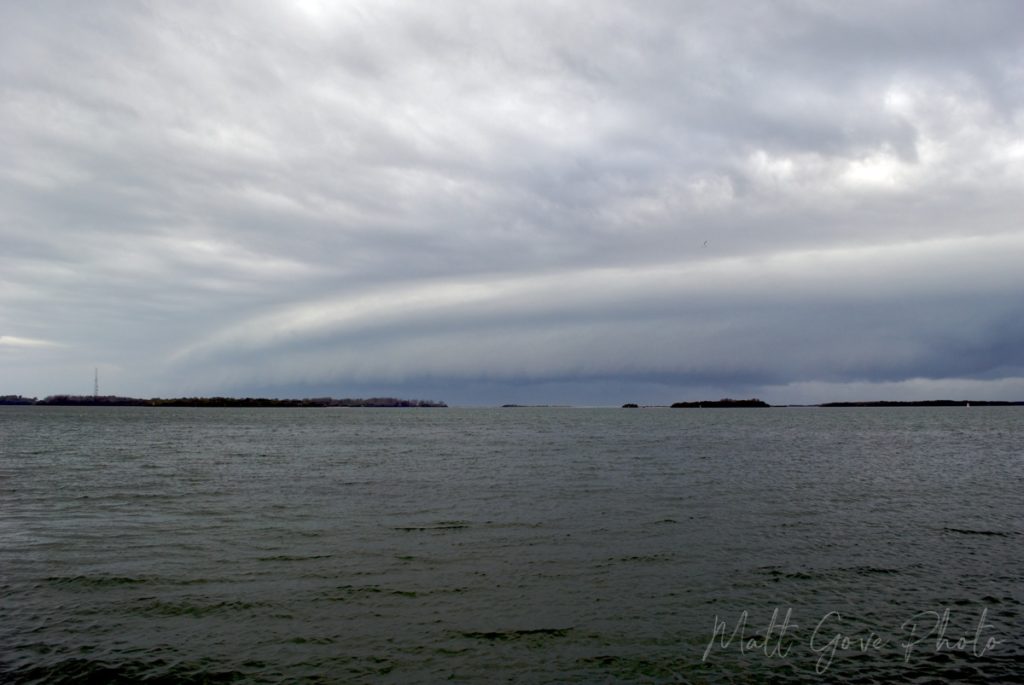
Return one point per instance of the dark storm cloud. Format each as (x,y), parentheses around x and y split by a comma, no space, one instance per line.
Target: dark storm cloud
(789,198)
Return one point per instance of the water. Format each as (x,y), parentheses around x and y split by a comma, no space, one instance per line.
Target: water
(511,545)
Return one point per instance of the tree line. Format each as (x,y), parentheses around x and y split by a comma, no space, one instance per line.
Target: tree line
(116,401)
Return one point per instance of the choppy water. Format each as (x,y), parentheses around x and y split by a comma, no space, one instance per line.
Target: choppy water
(515,545)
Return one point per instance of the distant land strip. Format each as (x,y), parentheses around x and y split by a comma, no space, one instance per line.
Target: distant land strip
(721,404)
(114,401)
(739,404)
(725,403)
(927,403)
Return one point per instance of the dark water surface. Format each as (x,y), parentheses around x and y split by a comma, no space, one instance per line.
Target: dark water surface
(515,545)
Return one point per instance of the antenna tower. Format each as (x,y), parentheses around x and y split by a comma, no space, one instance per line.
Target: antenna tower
(96,383)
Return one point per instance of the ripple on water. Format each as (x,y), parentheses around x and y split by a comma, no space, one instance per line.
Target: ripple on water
(541,546)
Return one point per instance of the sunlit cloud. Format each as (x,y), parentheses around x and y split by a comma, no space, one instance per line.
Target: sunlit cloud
(18,342)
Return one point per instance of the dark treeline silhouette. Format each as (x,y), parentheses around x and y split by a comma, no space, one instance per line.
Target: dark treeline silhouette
(16,399)
(725,403)
(114,401)
(926,403)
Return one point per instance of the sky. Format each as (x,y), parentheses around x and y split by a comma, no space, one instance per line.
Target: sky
(486,202)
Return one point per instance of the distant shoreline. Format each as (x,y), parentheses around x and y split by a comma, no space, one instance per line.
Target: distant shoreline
(393,402)
(242,402)
(742,404)
(926,403)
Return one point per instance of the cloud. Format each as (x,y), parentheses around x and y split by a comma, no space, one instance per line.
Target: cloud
(818,314)
(14,341)
(288,195)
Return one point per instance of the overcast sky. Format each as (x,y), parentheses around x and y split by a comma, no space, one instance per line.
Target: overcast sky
(535,202)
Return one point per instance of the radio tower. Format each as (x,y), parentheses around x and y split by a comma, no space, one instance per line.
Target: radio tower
(96,384)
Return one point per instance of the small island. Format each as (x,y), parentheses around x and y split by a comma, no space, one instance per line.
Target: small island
(725,403)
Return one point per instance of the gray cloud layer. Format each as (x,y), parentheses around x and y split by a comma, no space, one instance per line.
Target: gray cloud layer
(533,202)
